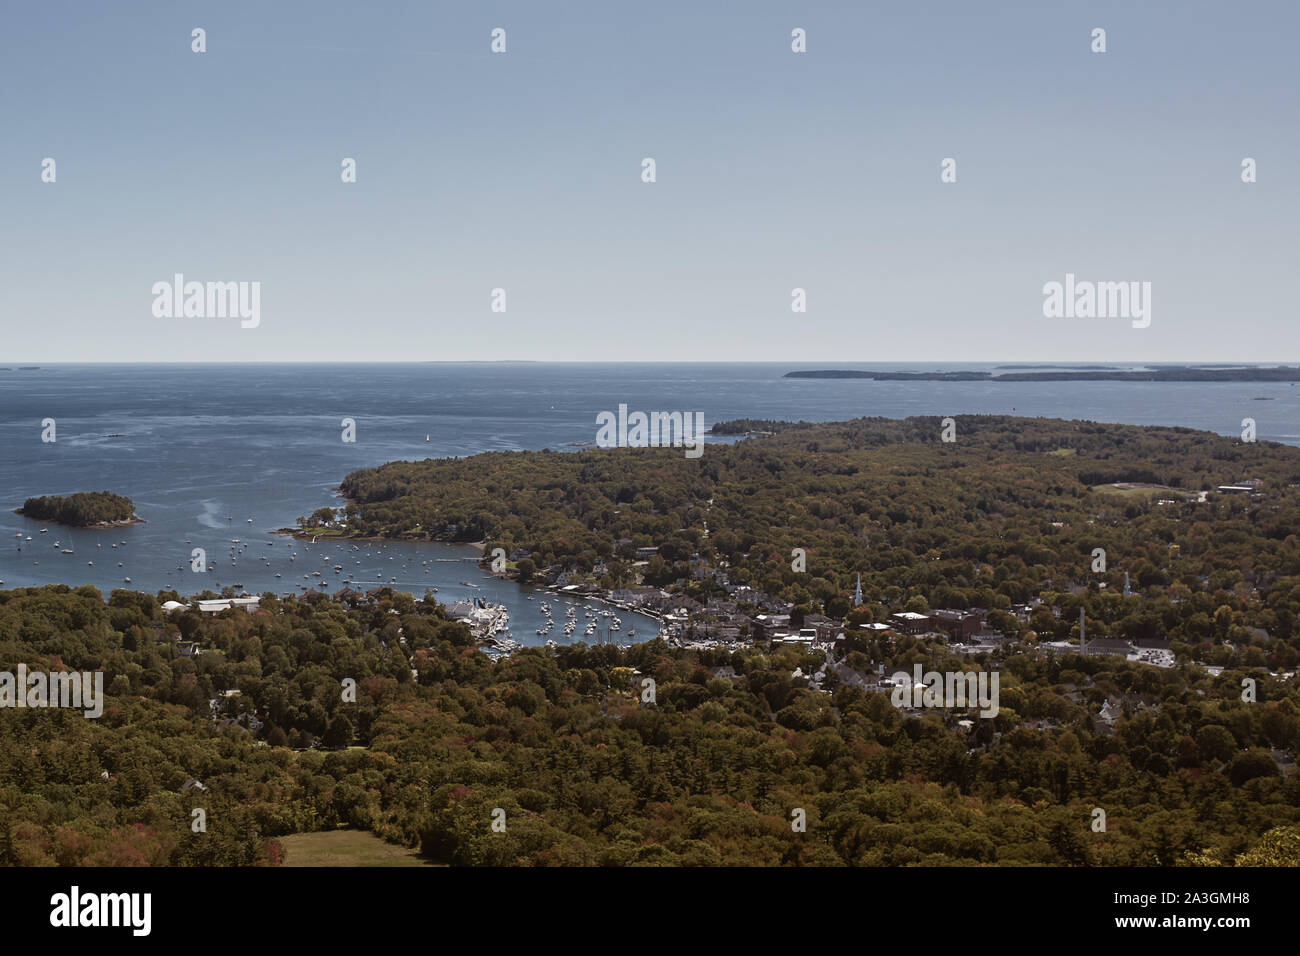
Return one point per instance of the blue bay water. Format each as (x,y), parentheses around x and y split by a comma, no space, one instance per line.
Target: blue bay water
(202,444)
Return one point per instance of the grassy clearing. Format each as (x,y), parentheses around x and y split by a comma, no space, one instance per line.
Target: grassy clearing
(347,848)
(1127,489)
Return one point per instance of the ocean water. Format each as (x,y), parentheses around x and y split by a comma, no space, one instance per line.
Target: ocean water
(203,449)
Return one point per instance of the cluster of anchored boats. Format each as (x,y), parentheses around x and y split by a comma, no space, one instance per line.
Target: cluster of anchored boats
(58,546)
(571,620)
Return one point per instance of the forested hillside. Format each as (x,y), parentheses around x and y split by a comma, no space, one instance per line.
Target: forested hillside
(587,773)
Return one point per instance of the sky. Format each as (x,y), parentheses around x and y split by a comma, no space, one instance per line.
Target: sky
(522,171)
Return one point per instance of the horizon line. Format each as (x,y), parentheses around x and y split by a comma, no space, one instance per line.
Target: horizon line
(842,363)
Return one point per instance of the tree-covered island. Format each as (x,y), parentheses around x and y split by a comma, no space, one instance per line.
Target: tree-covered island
(85,509)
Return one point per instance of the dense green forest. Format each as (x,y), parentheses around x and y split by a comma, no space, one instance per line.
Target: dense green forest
(83,509)
(586,773)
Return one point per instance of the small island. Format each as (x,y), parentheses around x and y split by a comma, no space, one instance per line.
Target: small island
(85,509)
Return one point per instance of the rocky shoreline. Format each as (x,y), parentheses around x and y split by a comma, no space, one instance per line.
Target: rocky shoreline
(299,535)
(97,526)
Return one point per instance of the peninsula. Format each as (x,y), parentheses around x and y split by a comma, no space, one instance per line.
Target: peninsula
(887,500)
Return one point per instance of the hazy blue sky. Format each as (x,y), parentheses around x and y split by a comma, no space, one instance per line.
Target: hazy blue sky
(523,171)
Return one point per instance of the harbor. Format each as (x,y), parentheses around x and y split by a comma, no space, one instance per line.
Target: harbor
(240,559)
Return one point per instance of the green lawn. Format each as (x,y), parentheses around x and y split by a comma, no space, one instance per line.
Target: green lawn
(347,848)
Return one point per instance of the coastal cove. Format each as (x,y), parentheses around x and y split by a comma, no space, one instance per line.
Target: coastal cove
(259,562)
(220,456)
